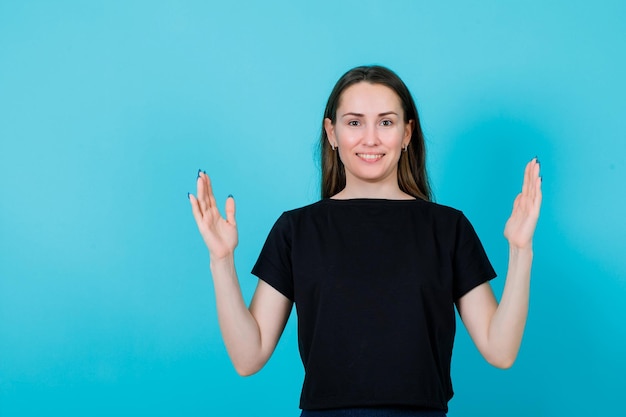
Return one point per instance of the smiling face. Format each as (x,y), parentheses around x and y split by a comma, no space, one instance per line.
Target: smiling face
(370,132)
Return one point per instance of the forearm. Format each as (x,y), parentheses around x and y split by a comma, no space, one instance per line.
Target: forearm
(239,328)
(507,325)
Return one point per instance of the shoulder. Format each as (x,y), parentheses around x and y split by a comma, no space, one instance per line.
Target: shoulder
(454,218)
(293,216)
(305,211)
(438,215)
(439,209)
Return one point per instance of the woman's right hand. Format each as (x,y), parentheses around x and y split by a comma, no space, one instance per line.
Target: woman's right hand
(219,233)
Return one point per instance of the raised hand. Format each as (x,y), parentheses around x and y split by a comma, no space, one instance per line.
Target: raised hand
(219,233)
(520,227)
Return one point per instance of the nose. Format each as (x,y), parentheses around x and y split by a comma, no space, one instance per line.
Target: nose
(371,135)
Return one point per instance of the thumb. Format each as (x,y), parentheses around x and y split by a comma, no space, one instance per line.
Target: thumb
(230,210)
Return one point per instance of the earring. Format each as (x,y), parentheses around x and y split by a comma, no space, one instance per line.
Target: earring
(333,146)
(405,147)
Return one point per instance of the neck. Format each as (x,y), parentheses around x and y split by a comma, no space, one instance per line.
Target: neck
(373,190)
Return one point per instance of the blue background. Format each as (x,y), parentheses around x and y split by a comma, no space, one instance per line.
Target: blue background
(108,108)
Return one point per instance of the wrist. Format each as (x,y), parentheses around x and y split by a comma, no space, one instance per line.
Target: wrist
(521,251)
(221,261)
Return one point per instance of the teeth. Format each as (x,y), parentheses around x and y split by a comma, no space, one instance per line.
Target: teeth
(369,156)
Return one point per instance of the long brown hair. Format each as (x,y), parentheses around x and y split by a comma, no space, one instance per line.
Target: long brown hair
(412,176)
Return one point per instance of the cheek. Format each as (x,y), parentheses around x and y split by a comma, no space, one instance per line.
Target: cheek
(393,136)
(345,136)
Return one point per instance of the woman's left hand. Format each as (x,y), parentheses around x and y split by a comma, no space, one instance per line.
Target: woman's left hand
(520,227)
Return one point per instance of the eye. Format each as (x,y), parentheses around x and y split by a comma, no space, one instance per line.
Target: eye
(386,123)
(353,123)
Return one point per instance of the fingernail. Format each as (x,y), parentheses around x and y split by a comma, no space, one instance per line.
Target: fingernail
(189,196)
(199,171)
(231,196)
(204,172)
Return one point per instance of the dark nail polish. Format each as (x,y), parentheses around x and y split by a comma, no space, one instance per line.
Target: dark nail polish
(189,196)
(199,171)
(231,196)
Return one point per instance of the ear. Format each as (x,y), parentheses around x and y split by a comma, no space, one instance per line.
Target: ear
(330,132)
(408,132)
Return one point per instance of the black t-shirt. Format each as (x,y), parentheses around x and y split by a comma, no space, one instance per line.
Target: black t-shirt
(374,283)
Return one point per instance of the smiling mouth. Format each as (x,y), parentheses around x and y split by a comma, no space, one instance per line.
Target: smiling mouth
(370,157)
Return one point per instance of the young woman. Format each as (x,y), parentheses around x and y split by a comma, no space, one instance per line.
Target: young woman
(374,268)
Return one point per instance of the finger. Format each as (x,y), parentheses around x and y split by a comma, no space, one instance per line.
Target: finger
(526,182)
(532,173)
(202,194)
(538,194)
(195,209)
(209,189)
(530,179)
(230,210)
(535,178)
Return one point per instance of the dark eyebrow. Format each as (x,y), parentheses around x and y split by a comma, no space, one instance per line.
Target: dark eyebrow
(362,115)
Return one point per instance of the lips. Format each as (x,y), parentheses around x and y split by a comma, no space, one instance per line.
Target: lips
(370,157)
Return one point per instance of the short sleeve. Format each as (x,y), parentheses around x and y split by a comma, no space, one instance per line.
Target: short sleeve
(274,263)
(471,264)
